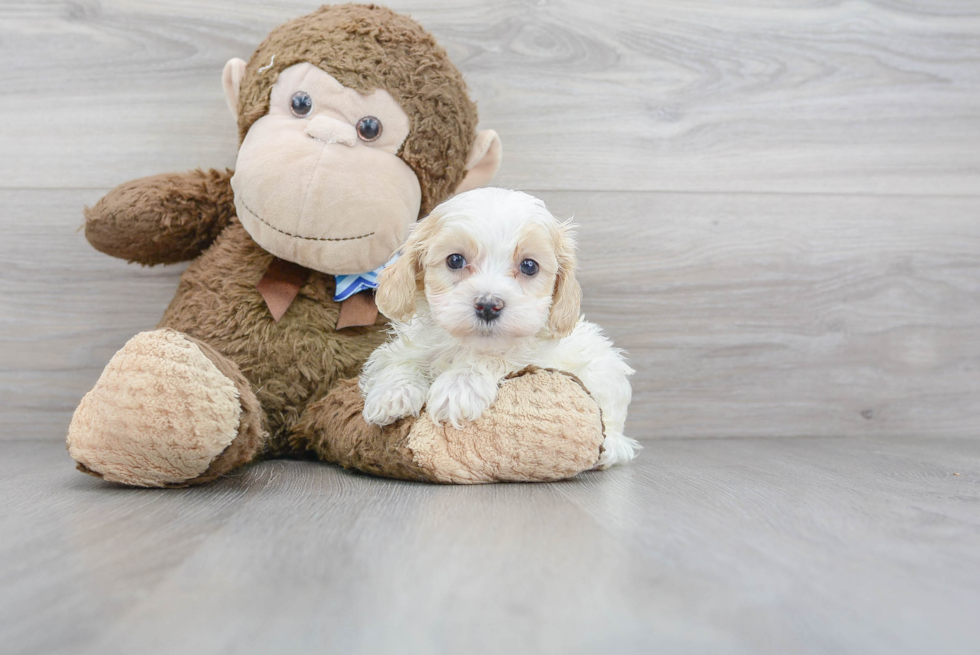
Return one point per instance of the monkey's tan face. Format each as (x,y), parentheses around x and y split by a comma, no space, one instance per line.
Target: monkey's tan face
(318,179)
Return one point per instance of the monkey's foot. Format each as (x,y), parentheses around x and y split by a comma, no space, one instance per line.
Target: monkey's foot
(543,426)
(167,411)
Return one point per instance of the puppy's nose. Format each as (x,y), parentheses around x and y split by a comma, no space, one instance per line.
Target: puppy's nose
(488,308)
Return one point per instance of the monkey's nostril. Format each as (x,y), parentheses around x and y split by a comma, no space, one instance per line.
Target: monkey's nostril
(330,130)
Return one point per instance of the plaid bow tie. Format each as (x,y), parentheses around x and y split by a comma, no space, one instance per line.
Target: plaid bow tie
(348,285)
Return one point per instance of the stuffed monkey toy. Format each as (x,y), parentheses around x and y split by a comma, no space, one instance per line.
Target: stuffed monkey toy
(353,124)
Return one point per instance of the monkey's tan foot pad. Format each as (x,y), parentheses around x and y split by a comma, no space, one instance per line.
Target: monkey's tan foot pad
(161,414)
(544,426)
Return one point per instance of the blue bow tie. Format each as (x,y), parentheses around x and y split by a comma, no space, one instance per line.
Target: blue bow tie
(348,285)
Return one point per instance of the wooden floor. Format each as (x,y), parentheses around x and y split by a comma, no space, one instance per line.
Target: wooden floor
(779,204)
(703,546)
(779,209)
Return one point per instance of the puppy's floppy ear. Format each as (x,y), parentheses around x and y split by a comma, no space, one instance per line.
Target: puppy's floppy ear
(567,297)
(400,283)
(395,296)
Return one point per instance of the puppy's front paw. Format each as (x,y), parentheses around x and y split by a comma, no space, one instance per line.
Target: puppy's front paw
(460,395)
(386,404)
(617,449)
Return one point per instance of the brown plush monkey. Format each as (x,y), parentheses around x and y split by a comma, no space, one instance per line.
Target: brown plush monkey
(353,124)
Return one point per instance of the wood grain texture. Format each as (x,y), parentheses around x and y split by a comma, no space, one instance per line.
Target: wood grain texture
(693,95)
(722,546)
(778,220)
(751,315)
(748,307)
(744,315)
(65,309)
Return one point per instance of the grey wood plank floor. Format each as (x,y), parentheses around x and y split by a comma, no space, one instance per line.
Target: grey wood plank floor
(818,545)
(780,220)
(739,321)
(778,204)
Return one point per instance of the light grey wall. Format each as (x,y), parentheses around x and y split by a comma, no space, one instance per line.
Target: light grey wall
(779,206)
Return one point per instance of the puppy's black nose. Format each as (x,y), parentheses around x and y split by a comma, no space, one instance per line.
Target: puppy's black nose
(488,308)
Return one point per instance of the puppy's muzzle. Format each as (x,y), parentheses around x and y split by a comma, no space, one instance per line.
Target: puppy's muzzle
(488,308)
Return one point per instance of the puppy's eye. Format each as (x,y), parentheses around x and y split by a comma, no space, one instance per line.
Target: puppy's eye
(455,261)
(529,267)
(369,128)
(301,104)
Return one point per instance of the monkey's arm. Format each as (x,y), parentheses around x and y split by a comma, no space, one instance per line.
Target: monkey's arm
(162,219)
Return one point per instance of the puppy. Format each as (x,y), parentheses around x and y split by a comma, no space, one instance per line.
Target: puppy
(498,275)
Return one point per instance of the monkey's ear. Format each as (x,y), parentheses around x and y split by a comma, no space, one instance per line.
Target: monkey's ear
(231,80)
(485,156)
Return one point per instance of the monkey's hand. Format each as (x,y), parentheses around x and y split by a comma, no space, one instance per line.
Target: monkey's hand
(162,219)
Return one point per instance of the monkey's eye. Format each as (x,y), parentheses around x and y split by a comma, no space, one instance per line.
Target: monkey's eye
(369,128)
(529,267)
(300,104)
(455,261)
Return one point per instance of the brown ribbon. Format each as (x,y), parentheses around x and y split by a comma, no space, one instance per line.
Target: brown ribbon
(281,284)
(358,310)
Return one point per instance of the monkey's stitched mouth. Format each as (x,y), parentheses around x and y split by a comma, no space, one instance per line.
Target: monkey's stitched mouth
(300,236)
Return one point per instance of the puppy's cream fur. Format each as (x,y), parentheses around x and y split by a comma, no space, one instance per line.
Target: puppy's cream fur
(446,357)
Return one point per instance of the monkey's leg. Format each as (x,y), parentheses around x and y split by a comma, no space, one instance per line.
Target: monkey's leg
(168,411)
(544,426)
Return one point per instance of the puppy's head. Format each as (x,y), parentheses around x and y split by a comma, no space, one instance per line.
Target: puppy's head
(493,265)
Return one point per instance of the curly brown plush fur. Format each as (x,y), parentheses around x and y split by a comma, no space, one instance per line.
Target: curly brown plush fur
(544,426)
(283,379)
(162,219)
(367,47)
(251,439)
(290,362)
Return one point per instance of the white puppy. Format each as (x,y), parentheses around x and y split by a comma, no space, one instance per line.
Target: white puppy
(497,270)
